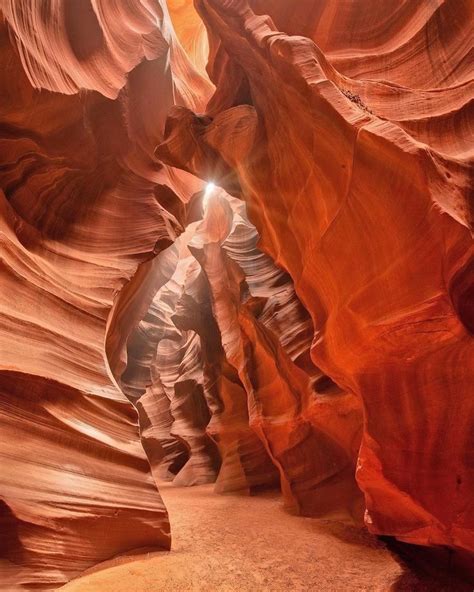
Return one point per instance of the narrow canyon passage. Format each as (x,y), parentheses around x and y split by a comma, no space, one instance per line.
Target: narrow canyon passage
(237,543)
(236,295)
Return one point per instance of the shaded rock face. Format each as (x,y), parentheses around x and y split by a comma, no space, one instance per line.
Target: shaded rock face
(307,324)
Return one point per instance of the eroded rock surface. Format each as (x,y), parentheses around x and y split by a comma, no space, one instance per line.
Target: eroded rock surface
(84,93)
(306,323)
(360,189)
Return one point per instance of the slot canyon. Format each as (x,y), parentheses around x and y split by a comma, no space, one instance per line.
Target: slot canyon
(236,295)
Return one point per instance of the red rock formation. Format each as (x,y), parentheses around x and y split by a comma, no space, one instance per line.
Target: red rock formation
(195,393)
(80,213)
(76,488)
(191,32)
(359,188)
(313,439)
(128,310)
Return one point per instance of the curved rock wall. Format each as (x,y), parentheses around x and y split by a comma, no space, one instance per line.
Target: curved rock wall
(319,335)
(311,438)
(76,487)
(85,87)
(360,189)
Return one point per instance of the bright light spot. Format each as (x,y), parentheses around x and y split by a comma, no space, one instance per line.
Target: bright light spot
(207,194)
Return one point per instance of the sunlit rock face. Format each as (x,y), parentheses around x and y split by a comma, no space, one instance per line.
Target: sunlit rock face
(191,32)
(305,322)
(312,437)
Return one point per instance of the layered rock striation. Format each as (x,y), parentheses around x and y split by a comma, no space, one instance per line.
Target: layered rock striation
(305,323)
(85,88)
(361,190)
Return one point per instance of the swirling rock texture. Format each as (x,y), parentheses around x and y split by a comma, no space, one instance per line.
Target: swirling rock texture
(83,207)
(196,397)
(355,164)
(308,323)
(313,453)
(76,487)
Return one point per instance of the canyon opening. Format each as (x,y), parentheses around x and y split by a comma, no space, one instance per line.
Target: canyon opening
(236,295)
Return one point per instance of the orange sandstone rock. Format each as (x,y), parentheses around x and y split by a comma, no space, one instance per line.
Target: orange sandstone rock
(320,332)
(362,194)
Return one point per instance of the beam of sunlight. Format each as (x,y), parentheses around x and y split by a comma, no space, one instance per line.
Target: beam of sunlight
(210,187)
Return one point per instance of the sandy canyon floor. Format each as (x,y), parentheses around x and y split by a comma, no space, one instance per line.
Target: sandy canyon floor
(236,543)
